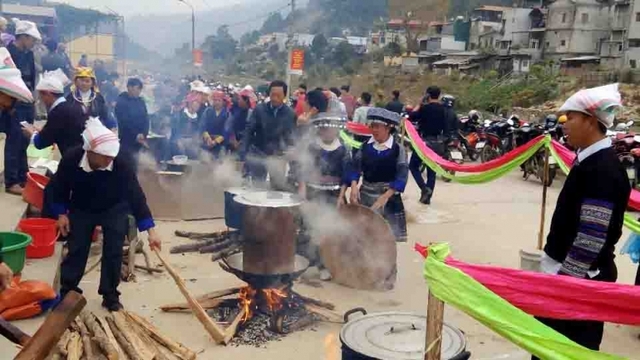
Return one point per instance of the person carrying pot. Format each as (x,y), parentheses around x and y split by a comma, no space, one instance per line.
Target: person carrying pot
(382,162)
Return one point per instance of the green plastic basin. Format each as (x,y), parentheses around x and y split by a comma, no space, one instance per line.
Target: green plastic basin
(14,249)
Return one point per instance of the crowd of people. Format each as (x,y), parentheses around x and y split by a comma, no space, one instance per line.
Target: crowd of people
(293,142)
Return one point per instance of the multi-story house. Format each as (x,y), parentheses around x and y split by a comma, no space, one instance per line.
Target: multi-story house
(632,56)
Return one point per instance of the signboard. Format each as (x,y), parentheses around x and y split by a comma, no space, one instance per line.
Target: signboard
(197,57)
(296,62)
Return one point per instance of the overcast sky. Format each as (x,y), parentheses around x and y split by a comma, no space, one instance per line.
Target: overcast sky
(141,7)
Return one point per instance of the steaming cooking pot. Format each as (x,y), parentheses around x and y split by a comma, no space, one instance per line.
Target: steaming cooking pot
(395,336)
(233,211)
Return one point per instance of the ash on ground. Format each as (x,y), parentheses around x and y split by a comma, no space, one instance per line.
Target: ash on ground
(257,330)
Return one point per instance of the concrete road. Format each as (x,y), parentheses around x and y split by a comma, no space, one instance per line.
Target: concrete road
(486,224)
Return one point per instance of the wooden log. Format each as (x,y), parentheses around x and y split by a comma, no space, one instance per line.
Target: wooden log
(220,293)
(435,316)
(12,333)
(150,270)
(144,336)
(142,350)
(216,333)
(122,355)
(199,236)
(53,327)
(227,252)
(99,335)
(86,339)
(206,300)
(74,350)
(207,304)
(192,247)
(327,315)
(217,247)
(122,340)
(63,343)
(323,304)
(233,328)
(175,347)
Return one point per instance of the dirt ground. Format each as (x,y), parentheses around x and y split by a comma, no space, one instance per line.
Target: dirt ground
(485,224)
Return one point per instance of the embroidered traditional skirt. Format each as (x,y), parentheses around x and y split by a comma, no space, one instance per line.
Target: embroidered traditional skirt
(393,211)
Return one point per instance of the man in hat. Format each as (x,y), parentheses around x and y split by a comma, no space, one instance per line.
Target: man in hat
(86,97)
(96,185)
(16,165)
(382,161)
(589,214)
(12,88)
(64,123)
(133,118)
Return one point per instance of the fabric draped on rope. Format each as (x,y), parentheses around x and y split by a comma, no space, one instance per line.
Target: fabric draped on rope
(556,297)
(456,288)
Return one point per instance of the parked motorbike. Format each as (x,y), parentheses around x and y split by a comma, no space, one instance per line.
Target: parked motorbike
(454,153)
(628,150)
(498,138)
(469,136)
(535,165)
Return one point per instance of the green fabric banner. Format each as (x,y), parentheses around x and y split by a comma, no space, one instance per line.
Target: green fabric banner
(466,294)
(350,141)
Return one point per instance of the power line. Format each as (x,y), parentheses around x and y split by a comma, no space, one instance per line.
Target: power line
(258,17)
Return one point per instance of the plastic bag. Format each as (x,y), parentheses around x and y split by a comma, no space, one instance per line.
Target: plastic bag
(25,293)
(632,247)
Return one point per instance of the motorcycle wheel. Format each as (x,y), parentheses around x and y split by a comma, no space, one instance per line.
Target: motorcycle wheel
(473,154)
(552,175)
(488,153)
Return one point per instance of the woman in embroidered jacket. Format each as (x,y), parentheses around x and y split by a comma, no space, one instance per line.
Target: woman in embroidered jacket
(382,161)
(86,97)
(589,214)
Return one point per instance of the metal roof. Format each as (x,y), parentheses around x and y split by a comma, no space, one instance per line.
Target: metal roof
(16,9)
(581,58)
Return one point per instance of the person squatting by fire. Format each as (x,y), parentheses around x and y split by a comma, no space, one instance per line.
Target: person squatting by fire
(96,185)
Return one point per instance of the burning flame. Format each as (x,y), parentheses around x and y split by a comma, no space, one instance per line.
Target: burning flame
(247,300)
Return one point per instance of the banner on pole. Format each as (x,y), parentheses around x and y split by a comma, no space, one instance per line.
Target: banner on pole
(296,63)
(197,57)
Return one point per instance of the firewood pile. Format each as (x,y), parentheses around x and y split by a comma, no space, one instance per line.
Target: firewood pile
(219,244)
(120,335)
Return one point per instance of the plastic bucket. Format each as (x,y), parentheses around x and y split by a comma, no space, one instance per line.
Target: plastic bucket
(14,245)
(44,234)
(33,192)
(530,260)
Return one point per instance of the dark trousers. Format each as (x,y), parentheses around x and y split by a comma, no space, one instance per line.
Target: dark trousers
(114,224)
(16,165)
(416,166)
(586,333)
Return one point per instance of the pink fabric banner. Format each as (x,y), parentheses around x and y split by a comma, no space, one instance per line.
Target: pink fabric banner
(474,168)
(358,129)
(555,296)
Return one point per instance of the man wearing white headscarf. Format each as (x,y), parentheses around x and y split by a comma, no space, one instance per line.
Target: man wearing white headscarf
(589,214)
(16,165)
(96,185)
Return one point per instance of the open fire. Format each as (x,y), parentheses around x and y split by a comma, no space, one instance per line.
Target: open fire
(272,301)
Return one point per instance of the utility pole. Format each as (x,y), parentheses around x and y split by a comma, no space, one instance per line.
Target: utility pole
(290,46)
(193,24)
(293,5)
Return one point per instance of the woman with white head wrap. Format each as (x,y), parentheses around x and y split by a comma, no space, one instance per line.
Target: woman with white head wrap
(588,218)
(96,185)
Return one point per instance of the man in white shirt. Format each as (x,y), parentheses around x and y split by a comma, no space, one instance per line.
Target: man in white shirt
(360,115)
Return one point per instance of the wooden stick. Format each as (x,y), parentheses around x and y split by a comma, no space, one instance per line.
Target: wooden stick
(74,350)
(227,252)
(138,330)
(191,247)
(99,335)
(56,279)
(543,208)
(64,342)
(435,315)
(216,333)
(233,328)
(217,247)
(206,304)
(206,300)
(176,348)
(12,333)
(94,266)
(53,327)
(148,269)
(327,315)
(199,236)
(86,339)
(122,355)
(323,304)
(122,340)
(142,349)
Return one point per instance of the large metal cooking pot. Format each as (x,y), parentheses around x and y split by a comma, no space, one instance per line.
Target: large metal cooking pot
(395,336)
(233,211)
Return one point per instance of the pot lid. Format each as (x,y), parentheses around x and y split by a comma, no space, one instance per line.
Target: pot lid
(397,335)
(271,199)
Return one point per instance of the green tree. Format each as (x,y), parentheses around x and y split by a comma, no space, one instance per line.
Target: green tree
(222,46)
(319,46)
(343,53)
(249,38)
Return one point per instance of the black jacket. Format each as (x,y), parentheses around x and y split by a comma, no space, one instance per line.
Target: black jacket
(431,119)
(96,192)
(64,127)
(25,62)
(269,131)
(589,215)
(133,120)
(395,106)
